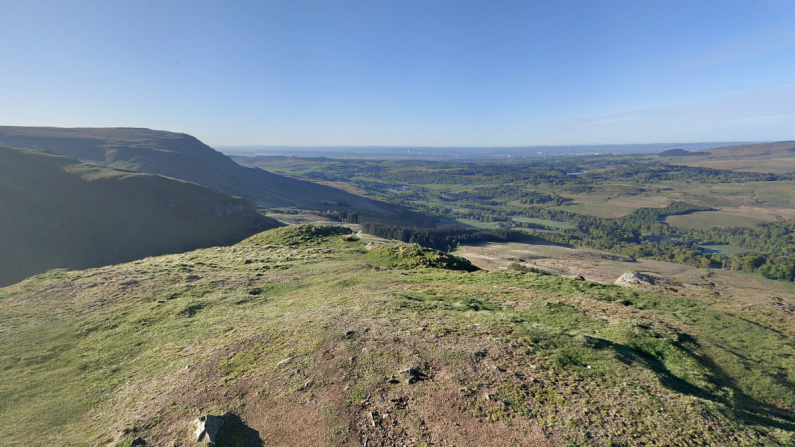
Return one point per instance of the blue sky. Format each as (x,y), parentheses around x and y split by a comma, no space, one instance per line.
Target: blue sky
(401,72)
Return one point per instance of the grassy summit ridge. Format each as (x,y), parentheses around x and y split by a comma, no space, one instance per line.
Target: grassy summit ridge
(60,213)
(311,344)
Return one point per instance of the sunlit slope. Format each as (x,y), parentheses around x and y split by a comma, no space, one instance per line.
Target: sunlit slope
(56,212)
(183,157)
(310,340)
(767,157)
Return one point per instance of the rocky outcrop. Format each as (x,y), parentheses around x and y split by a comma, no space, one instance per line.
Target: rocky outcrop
(650,282)
(636,279)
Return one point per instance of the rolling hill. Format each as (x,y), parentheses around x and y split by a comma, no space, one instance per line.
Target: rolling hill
(184,157)
(60,213)
(776,157)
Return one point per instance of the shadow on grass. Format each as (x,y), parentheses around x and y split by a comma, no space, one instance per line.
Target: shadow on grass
(235,433)
(741,405)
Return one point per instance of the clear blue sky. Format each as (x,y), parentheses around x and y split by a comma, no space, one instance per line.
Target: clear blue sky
(401,72)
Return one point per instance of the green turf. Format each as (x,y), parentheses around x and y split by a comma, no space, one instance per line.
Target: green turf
(85,353)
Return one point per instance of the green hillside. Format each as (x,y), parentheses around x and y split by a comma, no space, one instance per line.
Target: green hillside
(60,213)
(184,157)
(301,337)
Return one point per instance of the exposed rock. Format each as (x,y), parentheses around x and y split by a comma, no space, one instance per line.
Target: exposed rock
(207,428)
(642,280)
(284,361)
(635,279)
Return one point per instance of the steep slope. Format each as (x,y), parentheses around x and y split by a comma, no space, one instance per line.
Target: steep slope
(304,342)
(768,157)
(56,212)
(183,157)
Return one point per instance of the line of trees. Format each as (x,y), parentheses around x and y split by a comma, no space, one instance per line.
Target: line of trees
(445,237)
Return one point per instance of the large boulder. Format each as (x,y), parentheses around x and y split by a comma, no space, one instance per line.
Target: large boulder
(207,428)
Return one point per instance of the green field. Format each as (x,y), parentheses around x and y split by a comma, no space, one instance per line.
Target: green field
(472,223)
(547,222)
(706,220)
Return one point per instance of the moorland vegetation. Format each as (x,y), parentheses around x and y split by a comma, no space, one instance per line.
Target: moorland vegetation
(301,336)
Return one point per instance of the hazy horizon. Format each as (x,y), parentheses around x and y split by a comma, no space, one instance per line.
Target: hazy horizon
(461,152)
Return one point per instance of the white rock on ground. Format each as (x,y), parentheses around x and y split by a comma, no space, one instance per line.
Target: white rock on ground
(635,279)
(207,428)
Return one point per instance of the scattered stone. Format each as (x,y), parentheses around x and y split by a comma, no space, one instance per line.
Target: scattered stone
(580,278)
(137,441)
(350,333)
(207,428)
(411,375)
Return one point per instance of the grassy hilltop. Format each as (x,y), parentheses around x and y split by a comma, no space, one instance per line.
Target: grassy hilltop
(184,157)
(306,338)
(60,213)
